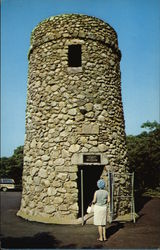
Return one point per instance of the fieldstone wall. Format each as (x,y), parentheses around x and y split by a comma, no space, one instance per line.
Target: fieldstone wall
(71,111)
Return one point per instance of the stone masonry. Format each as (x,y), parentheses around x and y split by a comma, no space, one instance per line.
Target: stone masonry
(72,111)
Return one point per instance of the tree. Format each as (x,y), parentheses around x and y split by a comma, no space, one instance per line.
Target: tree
(12,167)
(144,156)
(151,125)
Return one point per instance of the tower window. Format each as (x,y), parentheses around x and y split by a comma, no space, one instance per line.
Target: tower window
(74,56)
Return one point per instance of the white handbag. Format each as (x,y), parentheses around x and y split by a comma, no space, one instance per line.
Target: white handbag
(90,209)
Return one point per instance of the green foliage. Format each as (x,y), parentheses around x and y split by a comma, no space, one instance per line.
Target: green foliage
(151,125)
(144,156)
(12,167)
(152,192)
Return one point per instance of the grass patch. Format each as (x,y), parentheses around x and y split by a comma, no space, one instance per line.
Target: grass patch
(154,193)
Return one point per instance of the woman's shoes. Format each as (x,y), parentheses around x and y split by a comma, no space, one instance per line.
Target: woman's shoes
(102,240)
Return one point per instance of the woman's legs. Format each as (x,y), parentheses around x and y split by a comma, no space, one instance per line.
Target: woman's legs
(104,232)
(100,230)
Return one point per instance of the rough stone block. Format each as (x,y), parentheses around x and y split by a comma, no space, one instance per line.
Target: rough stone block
(90,129)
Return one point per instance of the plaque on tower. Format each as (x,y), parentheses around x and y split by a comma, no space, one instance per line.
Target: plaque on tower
(91,158)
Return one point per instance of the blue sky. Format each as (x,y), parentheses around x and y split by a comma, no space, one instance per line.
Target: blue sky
(137,23)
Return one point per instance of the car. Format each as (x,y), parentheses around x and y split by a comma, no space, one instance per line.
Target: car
(7,184)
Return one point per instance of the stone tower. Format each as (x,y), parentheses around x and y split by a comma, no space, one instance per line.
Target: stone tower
(74,117)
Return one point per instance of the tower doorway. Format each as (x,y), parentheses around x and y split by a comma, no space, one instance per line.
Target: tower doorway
(88,175)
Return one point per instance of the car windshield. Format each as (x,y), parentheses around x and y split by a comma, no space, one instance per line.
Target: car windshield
(7,181)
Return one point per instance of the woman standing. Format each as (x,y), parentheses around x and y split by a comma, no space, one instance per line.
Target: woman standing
(100,199)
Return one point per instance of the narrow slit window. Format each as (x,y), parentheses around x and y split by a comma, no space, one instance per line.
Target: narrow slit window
(74,56)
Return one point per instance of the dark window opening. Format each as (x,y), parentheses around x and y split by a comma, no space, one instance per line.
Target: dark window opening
(74,56)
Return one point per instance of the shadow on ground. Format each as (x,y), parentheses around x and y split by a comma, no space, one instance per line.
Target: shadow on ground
(140,201)
(40,240)
(115,226)
(47,240)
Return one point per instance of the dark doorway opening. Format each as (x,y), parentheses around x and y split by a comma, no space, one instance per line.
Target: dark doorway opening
(91,174)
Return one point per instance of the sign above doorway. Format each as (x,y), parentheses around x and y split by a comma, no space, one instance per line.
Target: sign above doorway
(90,158)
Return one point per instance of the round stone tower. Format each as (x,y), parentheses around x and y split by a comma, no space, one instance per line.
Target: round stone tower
(74,118)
